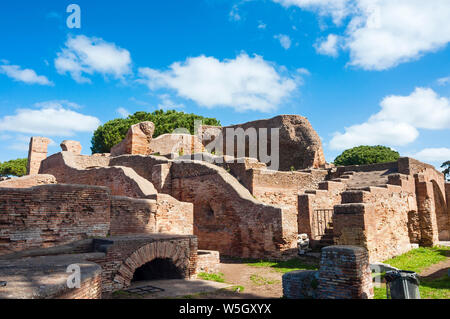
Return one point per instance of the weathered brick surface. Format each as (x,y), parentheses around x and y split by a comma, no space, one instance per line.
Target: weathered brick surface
(299,145)
(137,140)
(326,197)
(426,201)
(71,146)
(36,154)
(345,273)
(208,261)
(176,143)
(125,254)
(28,181)
(51,215)
(122,181)
(301,284)
(226,216)
(377,219)
(89,289)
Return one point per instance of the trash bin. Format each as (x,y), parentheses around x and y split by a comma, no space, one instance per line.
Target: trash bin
(402,284)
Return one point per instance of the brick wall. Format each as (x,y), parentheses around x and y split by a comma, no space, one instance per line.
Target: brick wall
(345,273)
(226,216)
(176,143)
(122,181)
(310,222)
(125,254)
(36,154)
(51,215)
(28,181)
(91,288)
(377,219)
(208,261)
(300,284)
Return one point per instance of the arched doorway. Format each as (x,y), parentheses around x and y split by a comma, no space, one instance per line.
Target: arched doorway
(159,268)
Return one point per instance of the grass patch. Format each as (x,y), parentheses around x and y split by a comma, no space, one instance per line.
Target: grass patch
(261,281)
(419,259)
(284,266)
(219,277)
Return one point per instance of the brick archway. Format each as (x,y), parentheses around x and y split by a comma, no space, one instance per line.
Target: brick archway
(148,253)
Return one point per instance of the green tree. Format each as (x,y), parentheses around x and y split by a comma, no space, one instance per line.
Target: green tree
(446,171)
(113,132)
(367,155)
(16,167)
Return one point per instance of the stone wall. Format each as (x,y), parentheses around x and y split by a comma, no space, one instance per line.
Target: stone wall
(51,215)
(299,145)
(377,219)
(36,154)
(208,261)
(301,284)
(28,181)
(122,181)
(180,144)
(137,140)
(345,273)
(226,216)
(91,288)
(447,195)
(312,222)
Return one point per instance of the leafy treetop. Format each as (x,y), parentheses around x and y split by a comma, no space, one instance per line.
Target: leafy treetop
(16,167)
(113,132)
(446,170)
(362,155)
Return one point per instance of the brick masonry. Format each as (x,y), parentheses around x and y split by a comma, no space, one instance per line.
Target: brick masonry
(28,181)
(208,261)
(127,253)
(301,284)
(36,154)
(51,215)
(345,273)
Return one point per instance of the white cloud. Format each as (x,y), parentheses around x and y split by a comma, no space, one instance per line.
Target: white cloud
(168,104)
(262,25)
(444,81)
(374,133)
(384,33)
(83,55)
(285,40)
(48,121)
(123,112)
(422,109)
(234,13)
(337,9)
(433,155)
(244,83)
(328,46)
(27,76)
(398,121)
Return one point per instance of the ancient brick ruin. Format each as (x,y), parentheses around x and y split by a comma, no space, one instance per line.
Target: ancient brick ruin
(114,213)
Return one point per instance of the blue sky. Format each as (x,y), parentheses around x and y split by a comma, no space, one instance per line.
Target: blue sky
(362,71)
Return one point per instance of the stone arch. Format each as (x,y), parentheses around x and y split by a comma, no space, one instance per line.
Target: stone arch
(442,215)
(148,253)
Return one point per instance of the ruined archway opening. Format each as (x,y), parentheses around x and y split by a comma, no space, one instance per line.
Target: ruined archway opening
(157,269)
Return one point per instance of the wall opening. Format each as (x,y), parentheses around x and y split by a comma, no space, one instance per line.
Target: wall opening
(157,269)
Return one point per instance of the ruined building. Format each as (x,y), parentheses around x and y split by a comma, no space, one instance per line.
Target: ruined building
(113,214)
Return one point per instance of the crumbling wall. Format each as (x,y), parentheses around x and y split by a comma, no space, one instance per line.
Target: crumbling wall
(28,181)
(179,144)
(51,215)
(36,154)
(122,181)
(377,219)
(313,222)
(137,140)
(226,216)
(299,145)
(144,216)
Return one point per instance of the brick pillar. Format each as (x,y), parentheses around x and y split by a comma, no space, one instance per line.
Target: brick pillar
(71,146)
(345,273)
(429,234)
(36,154)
